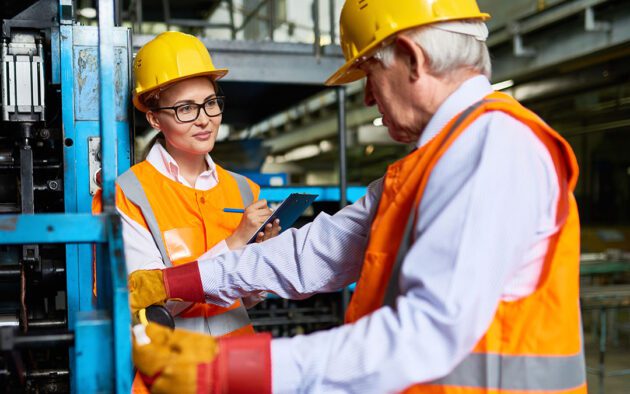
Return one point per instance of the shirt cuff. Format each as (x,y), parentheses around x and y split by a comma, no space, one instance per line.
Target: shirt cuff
(285,372)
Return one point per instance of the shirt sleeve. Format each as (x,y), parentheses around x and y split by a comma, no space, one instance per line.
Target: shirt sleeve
(141,253)
(478,216)
(322,256)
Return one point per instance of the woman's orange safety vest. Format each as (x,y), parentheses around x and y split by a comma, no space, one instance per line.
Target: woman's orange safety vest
(189,222)
(533,344)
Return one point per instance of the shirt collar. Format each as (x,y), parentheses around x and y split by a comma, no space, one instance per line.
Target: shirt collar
(162,160)
(470,92)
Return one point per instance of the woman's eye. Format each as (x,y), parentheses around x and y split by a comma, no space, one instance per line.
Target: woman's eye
(186,109)
(211,103)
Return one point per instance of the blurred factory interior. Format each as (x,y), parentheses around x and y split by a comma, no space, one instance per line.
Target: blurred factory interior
(568,60)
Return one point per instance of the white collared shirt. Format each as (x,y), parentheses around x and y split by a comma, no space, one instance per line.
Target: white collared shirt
(159,158)
(488,211)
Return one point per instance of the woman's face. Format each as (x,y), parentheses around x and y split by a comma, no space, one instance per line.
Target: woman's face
(196,137)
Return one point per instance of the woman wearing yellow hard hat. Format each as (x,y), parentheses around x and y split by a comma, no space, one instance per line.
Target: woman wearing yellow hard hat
(172,203)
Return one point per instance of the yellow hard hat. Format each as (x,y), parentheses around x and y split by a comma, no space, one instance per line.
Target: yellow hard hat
(170,57)
(366,24)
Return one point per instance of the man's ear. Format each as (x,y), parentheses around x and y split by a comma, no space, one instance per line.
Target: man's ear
(153,120)
(412,55)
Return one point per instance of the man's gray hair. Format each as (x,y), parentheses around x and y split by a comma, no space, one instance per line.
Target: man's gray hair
(446,50)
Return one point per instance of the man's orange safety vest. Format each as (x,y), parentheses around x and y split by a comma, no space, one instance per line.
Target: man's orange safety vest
(533,344)
(185,223)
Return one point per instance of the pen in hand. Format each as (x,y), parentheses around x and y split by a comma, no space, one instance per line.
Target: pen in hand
(233,210)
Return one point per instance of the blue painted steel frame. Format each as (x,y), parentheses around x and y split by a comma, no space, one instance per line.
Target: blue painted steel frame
(117,297)
(52,228)
(101,361)
(326,193)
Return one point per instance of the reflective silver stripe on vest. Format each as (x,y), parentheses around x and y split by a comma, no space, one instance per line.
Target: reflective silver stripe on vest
(216,325)
(525,373)
(243,186)
(229,321)
(131,186)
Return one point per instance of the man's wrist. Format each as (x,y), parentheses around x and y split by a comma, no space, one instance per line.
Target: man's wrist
(183,282)
(243,365)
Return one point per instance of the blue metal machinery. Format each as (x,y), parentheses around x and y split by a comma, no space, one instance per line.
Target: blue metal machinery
(325,193)
(88,78)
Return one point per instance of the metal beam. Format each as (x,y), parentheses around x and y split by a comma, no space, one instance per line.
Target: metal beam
(322,129)
(540,20)
(52,228)
(267,62)
(571,41)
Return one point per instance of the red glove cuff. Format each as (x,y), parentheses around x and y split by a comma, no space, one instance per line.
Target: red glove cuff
(184,282)
(243,365)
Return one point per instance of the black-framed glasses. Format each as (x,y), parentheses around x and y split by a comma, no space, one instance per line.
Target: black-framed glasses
(189,112)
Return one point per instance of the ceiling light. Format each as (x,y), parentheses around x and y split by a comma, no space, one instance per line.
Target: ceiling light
(325,146)
(87,12)
(378,122)
(300,153)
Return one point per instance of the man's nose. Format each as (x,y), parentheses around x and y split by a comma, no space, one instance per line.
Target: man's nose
(368,98)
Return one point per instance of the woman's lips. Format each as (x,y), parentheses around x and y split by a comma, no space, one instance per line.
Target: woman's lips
(203,136)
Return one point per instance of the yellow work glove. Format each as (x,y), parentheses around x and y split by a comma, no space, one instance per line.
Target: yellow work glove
(155,287)
(175,361)
(146,288)
(180,361)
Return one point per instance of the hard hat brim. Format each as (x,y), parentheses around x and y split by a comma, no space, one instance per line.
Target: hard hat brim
(214,74)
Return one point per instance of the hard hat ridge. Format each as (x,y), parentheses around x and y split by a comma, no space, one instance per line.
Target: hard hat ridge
(367,24)
(170,57)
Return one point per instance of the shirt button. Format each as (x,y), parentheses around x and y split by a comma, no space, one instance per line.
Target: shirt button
(202,200)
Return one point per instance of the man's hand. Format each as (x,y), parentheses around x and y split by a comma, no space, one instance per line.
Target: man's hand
(175,361)
(179,361)
(146,288)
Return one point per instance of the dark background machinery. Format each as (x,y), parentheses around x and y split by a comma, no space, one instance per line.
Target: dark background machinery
(56,334)
(32,277)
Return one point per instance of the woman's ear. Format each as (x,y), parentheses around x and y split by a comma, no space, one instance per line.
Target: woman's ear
(412,54)
(153,120)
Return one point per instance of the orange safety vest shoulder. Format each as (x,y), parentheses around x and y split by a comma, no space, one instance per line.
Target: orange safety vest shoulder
(185,223)
(533,344)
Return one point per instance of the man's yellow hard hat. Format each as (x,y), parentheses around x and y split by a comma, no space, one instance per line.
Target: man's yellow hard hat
(170,57)
(365,25)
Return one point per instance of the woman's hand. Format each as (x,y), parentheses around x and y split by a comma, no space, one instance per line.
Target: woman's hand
(253,217)
(271,230)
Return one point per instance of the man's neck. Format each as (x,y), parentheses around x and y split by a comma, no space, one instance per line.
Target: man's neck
(446,86)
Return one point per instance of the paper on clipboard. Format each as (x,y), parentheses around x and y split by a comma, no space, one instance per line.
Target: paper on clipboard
(288,212)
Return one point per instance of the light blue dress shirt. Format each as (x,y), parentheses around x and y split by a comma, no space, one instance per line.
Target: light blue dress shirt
(486,217)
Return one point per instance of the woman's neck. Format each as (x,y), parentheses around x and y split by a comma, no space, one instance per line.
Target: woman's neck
(190,166)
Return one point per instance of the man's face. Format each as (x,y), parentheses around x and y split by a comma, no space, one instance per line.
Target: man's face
(390,89)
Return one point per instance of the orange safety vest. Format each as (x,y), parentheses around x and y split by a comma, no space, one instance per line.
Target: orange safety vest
(533,344)
(189,222)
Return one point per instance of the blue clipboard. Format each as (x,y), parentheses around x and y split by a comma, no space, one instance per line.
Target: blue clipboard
(288,212)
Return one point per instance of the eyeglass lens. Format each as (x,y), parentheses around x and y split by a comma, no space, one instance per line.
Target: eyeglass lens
(190,112)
